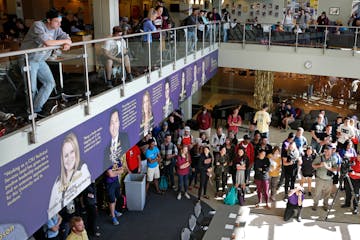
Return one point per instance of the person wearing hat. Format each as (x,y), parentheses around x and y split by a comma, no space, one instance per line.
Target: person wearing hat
(295,200)
(325,167)
(113,52)
(44,33)
(186,139)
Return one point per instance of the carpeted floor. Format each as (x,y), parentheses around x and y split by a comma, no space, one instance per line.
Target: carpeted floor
(162,218)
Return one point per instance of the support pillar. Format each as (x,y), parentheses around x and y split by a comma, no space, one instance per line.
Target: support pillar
(263,93)
(186,108)
(106,16)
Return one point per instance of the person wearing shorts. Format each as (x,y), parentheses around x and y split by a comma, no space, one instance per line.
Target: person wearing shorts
(153,172)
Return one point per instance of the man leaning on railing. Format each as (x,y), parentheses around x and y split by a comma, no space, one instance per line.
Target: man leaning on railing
(43,33)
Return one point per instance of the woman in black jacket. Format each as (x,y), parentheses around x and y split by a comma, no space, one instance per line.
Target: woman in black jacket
(205,170)
(261,177)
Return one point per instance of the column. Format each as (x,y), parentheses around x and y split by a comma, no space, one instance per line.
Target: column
(263,93)
(106,16)
(186,108)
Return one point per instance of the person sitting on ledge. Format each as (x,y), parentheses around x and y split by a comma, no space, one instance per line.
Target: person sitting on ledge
(113,54)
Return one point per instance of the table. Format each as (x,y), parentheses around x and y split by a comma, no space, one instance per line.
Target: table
(59,60)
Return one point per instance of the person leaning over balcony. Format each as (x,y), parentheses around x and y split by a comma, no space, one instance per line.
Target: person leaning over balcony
(288,21)
(113,54)
(43,33)
(148,26)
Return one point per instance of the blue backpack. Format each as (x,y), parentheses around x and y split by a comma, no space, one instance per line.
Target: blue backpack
(163,185)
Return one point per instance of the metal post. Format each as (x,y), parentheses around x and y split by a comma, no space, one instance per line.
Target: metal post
(355,41)
(214,39)
(87,93)
(195,41)
(174,64)
(203,41)
(325,39)
(149,47)
(219,32)
(269,42)
(296,41)
(186,44)
(32,116)
(161,56)
(243,40)
(122,86)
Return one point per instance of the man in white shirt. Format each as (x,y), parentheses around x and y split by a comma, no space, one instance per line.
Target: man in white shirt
(113,54)
(217,140)
(262,120)
(344,132)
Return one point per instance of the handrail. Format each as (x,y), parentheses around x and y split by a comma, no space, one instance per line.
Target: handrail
(24,51)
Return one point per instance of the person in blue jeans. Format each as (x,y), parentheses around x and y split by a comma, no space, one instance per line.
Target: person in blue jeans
(183,166)
(43,34)
(192,31)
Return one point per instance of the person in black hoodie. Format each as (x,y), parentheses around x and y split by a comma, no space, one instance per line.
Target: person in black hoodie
(261,177)
(205,170)
(89,198)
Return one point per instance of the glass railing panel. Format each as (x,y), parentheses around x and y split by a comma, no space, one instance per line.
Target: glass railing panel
(181,42)
(236,32)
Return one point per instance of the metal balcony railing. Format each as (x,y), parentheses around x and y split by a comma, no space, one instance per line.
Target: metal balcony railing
(88,60)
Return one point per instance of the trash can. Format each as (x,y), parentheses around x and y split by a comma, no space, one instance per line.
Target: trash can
(135,185)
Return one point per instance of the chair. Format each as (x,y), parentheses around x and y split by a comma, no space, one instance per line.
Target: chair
(192,222)
(185,234)
(201,219)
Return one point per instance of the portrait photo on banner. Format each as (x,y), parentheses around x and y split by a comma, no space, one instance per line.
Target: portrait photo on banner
(74,175)
(147,117)
(118,144)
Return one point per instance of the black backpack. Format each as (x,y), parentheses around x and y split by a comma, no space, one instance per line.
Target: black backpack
(139,28)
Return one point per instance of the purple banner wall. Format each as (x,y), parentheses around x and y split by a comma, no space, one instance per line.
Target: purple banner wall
(40,183)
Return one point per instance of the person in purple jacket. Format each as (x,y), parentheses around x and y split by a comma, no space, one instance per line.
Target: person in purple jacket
(295,200)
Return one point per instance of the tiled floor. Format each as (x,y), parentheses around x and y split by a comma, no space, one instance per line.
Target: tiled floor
(268,224)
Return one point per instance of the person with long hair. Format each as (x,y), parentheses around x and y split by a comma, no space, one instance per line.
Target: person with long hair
(205,169)
(261,177)
(183,165)
(241,161)
(74,176)
(274,171)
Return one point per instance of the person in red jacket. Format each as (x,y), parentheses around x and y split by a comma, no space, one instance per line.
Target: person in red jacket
(205,122)
(183,164)
(355,181)
(250,152)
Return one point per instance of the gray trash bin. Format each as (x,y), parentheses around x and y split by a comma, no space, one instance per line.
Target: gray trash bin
(135,185)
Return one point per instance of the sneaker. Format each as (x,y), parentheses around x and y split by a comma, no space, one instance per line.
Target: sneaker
(298,219)
(326,208)
(115,221)
(187,195)
(314,208)
(179,196)
(117,214)
(355,211)
(309,193)
(248,191)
